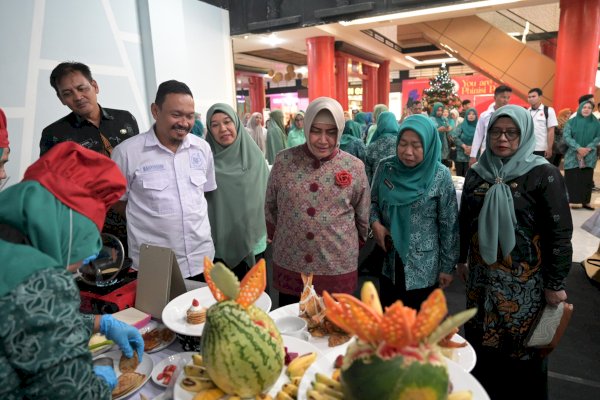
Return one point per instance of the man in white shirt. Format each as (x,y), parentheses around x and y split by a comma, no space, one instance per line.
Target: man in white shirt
(168,171)
(501,98)
(544,122)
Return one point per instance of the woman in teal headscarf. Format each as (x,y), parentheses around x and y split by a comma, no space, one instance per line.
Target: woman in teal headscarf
(377,110)
(582,135)
(49,224)
(516,231)
(383,142)
(463,138)
(362,119)
(296,134)
(236,209)
(276,140)
(414,216)
(351,141)
(443,127)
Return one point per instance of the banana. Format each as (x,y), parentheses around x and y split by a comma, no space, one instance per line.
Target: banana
(210,394)
(327,381)
(197,359)
(369,296)
(324,389)
(264,396)
(281,395)
(290,389)
(195,370)
(336,374)
(299,365)
(314,395)
(461,395)
(296,380)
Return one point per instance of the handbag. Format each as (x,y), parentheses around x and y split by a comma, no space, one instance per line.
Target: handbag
(550,327)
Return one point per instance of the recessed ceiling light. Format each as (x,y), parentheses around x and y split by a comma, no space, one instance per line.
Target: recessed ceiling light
(272,40)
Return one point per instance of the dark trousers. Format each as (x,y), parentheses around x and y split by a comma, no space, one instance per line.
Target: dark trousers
(390,291)
(501,375)
(239,270)
(556,159)
(461,167)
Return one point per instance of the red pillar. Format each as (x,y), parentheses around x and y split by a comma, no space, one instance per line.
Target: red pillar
(577,51)
(548,48)
(341,80)
(383,83)
(321,69)
(369,88)
(257,93)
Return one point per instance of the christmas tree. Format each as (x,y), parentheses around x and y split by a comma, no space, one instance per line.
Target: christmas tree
(441,90)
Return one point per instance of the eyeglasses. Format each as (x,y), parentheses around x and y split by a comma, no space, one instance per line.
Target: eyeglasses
(511,134)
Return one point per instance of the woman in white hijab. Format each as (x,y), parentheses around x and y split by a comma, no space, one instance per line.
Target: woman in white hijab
(257,131)
(317,208)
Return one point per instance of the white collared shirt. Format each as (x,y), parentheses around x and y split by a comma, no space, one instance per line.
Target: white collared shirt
(480,131)
(165,197)
(541,126)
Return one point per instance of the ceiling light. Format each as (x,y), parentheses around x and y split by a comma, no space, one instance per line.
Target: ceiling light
(246,36)
(272,40)
(301,70)
(428,11)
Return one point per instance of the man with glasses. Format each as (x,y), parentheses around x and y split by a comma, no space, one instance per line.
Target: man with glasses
(501,98)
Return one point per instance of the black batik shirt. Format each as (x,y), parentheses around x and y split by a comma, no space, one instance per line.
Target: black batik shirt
(115,126)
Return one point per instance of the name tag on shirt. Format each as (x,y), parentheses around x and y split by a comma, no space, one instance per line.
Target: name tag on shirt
(152,168)
(197,160)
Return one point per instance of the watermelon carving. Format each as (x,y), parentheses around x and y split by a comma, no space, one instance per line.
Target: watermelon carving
(396,354)
(241,347)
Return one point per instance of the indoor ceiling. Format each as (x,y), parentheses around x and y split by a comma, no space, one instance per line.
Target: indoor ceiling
(263,52)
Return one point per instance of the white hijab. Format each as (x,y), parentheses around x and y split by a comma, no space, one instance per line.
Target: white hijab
(315,108)
(257,132)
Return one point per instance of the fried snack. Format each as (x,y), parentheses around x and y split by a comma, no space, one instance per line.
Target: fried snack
(155,337)
(128,364)
(127,382)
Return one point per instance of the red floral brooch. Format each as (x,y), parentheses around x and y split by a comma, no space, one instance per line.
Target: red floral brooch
(343,178)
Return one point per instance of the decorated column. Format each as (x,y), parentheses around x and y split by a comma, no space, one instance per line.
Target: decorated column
(577,51)
(369,88)
(257,93)
(321,69)
(383,83)
(341,80)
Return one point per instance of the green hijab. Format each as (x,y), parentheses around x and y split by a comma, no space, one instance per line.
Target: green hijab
(468,128)
(276,140)
(497,218)
(584,129)
(386,126)
(361,118)
(296,135)
(52,228)
(236,209)
(400,186)
(441,121)
(351,133)
(377,110)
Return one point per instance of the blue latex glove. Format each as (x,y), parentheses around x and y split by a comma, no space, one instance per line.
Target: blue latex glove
(125,336)
(107,373)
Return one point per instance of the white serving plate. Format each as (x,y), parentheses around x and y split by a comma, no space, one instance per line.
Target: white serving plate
(293,344)
(175,359)
(156,325)
(174,313)
(145,367)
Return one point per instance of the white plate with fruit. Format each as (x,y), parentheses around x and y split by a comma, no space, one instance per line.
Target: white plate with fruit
(294,346)
(174,315)
(164,371)
(324,366)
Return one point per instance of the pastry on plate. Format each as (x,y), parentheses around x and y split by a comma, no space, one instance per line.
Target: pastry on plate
(196,314)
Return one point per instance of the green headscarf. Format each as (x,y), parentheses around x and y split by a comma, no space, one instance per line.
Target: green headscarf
(296,135)
(377,110)
(441,121)
(386,126)
(275,136)
(497,218)
(46,221)
(361,118)
(468,128)
(584,129)
(408,184)
(236,210)
(351,133)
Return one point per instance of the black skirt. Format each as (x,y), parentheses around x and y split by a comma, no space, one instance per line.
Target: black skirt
(580,182)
